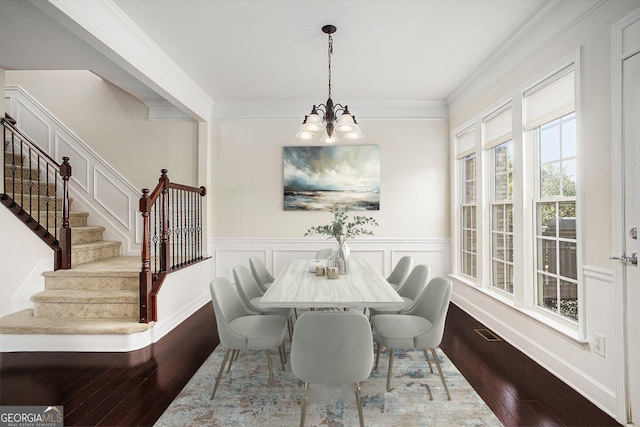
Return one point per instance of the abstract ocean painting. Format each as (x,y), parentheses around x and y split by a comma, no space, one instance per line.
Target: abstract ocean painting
(317,177)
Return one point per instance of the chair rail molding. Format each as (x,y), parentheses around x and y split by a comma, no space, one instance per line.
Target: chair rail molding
(276,252)
(96,187)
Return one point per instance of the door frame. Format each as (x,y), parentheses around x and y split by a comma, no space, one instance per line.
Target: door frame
(618,54)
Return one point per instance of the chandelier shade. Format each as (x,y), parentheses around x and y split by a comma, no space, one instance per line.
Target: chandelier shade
(326,118)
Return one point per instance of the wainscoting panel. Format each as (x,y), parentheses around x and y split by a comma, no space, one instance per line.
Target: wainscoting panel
(95,186)
(117,202)
(33,126)
(576,362)
(80,166)
(383,253)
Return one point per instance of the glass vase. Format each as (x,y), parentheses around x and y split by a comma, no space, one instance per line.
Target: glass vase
(341,258)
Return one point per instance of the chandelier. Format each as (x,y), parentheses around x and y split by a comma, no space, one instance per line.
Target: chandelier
(324,117)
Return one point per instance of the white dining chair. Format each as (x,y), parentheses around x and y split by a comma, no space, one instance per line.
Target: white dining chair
(332,348)
(263,278)
(241,330)
(400,272)
(250,294)
(421,328)
(410,291)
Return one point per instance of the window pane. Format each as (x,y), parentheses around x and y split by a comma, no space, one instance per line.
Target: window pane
(508,244)
(546,219)
(547,260)
(509,218)
(509,278)
(498,218)
(568,260)
(569,177)
(470,179)
(569,299)
(567,214)
(502,187)
(498,245)
(547,292)
(550,180)
(550,143)
(466,240)
(569,137)
(497,274)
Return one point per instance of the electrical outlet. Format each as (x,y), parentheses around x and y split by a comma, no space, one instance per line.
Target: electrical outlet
(598,344)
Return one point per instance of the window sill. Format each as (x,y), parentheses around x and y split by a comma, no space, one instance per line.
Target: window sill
(569,334)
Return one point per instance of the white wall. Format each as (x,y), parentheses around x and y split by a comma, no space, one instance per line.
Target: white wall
(23,258)
(544,45)
(247,196)
(248,179)
(114,124)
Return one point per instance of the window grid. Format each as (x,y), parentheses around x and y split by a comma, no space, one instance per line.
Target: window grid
(469,227)
(556,239)
(501,208)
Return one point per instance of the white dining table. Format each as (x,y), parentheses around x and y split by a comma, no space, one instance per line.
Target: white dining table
(298,287)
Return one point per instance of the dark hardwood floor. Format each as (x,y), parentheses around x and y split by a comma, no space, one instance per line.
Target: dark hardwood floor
(133,389)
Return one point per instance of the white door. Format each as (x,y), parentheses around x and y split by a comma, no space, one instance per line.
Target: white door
(631,156)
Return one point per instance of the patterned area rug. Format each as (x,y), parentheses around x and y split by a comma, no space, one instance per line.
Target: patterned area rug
(245,399)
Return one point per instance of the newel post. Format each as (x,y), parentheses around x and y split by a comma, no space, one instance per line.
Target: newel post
(164,233)
(146,282)
(65,229)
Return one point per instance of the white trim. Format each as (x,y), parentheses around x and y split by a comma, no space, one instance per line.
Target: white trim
(617,206)
(159,111)
(500,316)
(382,252)
(270,110)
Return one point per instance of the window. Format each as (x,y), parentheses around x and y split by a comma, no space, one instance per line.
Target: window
(551,121)
(498,140)
(518,206)
(469,250)
(556,240)
(502,217)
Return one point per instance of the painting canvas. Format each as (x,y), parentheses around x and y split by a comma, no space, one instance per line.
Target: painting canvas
(317,177)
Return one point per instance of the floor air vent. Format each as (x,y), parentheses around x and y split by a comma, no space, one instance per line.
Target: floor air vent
(488,335)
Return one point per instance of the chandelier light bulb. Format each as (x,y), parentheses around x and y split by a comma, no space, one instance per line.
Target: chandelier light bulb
(345,123)
(313,123)
(303,134)
(329,139)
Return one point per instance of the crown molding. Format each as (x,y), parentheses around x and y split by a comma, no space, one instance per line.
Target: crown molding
(268,110)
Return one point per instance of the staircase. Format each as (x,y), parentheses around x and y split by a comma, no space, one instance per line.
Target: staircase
(99,295)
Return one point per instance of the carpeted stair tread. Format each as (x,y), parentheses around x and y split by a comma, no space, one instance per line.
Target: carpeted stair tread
(95,245)
(86,234)
(120,266)
(23,322)
(87,296)
(94,251)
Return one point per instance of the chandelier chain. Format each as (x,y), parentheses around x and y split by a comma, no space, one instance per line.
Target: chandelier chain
(330,52)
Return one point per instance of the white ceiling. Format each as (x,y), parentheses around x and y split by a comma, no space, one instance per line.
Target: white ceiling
(267,50)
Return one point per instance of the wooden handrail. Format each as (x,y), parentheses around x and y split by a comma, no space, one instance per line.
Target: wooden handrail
(35,217)
(168,205)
